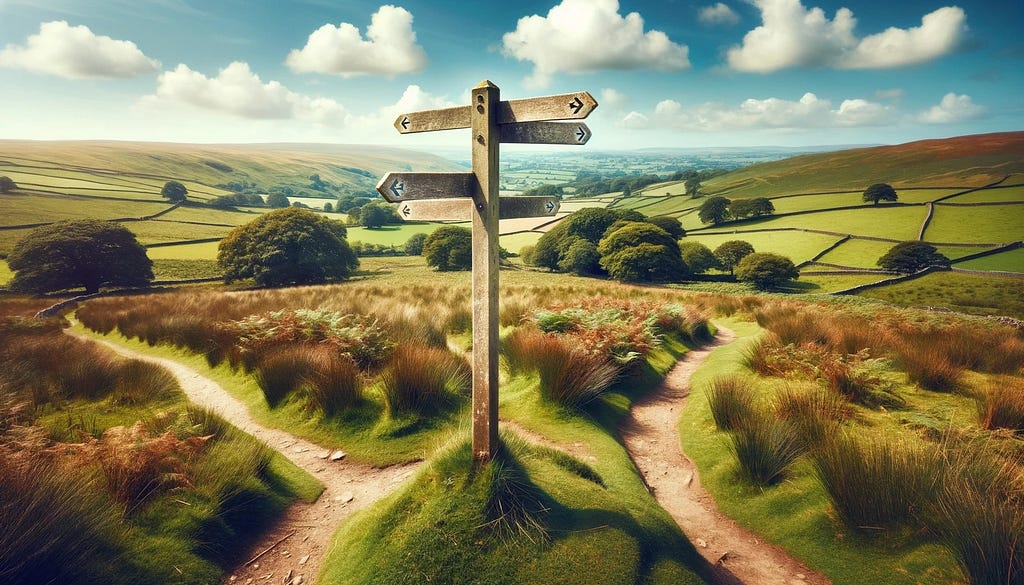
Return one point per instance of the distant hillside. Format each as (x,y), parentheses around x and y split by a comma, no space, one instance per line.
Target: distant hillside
(352,168)
(965,161)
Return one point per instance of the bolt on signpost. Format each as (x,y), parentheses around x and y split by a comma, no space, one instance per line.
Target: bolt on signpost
(474,197)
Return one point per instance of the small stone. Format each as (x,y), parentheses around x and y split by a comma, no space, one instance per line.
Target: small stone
(324,455)
(233,579)
(337,455)
(801,576)
(256,566)
(303,560)
(345,497)
(300,449)
(702,543)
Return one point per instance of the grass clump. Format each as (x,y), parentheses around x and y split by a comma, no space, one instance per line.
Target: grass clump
(1001,404)
(877,484)
(731,399)
(569,374)
(421,380)
(815,412)
(765,446)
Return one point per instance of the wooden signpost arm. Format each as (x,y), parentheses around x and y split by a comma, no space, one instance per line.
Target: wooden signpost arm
(483,119)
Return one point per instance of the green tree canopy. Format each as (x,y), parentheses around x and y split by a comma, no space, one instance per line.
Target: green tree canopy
(87,253)
(7,184)
(581,258)
(670,224)
(414,245)
(375,215)
(277,200)
(714,210)
(449,248)
(641,252)
(912,256)
(756,207)
(698,257)
(766,271)
(174,191)
(287,246)
(589,223)
(731,252)
(879,192)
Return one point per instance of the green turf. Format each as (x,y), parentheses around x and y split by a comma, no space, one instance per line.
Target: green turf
(898,223)
(987,224)
(204,251)
(390,235)
(829,283)
(979,295)
(1012,261)
(6,274)
(797,246)
(515,242)
(21,209)
(995,195)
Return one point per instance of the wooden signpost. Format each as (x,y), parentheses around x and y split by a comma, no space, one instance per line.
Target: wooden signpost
(474,196)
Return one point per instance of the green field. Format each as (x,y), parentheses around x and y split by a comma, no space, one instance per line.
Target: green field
(203,251)
(515,242)
(898,223)
(1012,261)
(998,195)
(797,246)
(30,209)
(988,224)
(981,295)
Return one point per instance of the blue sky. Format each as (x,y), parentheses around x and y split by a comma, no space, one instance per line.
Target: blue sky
(666,73)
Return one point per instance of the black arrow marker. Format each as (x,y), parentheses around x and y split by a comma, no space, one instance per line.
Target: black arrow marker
(550,206)
(580,134)
(576,105)
(397,188)
(405,123)
(405,210)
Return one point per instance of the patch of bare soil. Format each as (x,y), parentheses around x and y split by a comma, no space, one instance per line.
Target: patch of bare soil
(651,435)
(293,550)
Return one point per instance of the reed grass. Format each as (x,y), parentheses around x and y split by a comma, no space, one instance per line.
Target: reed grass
(421,380)
(732,401)
(815,412)
(765,446)
(1001,404)
(334,382)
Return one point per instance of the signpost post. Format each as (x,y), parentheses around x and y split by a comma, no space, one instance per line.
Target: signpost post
(474,197)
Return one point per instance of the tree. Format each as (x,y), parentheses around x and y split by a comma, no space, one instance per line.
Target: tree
(912,256)
(375,215)
(449,248)
(278,200)
(7,185)
(328,208)
(174,191)
(414,245)
(730,253)
(87,253)
(581,258)
(287,246)
(879,192)
(698,257)
(669,224)
(641,252)
(590,223)
(692,185)
(756,207)
(714,210)
(766,271)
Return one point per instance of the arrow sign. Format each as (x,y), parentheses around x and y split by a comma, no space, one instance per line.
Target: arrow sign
(545,133)
(462,209)
(567,106)
(396,187)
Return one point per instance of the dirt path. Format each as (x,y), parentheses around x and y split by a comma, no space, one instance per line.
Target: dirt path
(293,550)
(652,437)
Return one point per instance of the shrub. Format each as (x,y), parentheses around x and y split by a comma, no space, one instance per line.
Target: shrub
(877,484)
(1001,405)
(765,270)
(449,248)
(421,380)
(912,256)
(765,446)
(731,400)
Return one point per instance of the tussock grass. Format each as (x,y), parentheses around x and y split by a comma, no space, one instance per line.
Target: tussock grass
(421,380)
(139,382)
(879,483)
(815,412)
(732,401)
(930,367)
(569,374)
(1001,404)
(765,446)
(334,382)
(280,372)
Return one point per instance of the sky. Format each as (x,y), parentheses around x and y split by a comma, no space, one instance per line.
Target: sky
(665,73)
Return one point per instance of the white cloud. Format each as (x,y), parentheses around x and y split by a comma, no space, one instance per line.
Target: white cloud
(75,52)
(612,99)
(809,111)
(719,13)
(588,35)
(953,108)
(792,35)
(238,91)
(389,48)
(890,94)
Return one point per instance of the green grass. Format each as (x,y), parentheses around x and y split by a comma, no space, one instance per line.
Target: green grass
(794,513)
(989,224)
(515,242)
(390,235)
(156,231)
(828,283)
(797,246)
(20,209)
(898,223)
(210,216)
(978,295)
(1012,261)
(6,274)
(167,269)
(203,251)
(996,195)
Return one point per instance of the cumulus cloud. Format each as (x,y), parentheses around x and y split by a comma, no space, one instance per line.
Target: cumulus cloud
(719,13)
(612,99)
(389,47)
(75,52)
(952,109)
(792,35)
(809,111)
(588,35)
(236,90)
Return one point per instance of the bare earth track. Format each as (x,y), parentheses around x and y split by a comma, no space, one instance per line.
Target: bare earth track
(293,550)
(651,436)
